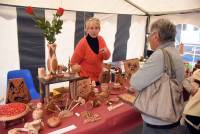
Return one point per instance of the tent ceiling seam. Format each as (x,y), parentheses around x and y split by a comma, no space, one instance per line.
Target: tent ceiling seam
(160,14)
(136,6)
(175,12)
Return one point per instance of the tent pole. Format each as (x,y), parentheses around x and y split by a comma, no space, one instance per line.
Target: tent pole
(136,6)
(146,37)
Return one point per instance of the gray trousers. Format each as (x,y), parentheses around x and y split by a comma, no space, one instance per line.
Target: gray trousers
(150,130)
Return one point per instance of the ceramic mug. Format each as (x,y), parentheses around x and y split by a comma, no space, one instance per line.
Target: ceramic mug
(41,72)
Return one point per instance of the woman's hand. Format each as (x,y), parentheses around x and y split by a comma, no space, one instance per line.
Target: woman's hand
(103,50)
(105,53)
(76,68)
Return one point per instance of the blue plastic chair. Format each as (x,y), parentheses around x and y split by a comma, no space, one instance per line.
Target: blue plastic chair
(26,75)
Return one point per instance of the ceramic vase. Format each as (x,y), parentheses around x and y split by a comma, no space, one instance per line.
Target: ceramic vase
(52,62)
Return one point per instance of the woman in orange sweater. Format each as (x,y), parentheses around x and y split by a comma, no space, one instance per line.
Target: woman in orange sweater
(91,51)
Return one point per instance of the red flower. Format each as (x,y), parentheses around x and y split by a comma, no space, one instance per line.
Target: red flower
(29,10)
(60,11)
(50,29)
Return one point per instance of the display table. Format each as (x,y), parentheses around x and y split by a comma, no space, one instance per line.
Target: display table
(44,85)
(117,121)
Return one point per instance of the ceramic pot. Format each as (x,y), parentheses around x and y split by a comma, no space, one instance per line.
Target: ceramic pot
(53,121)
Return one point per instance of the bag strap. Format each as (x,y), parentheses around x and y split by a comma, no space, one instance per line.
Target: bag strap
(197,127)
(169,67)
(168,64)
(173,74)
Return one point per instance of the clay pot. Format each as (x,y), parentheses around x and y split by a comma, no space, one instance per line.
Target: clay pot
(53,121)
(52,62)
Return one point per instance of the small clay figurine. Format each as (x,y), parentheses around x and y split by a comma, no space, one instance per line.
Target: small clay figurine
(29,127)
(38,112)
(13,131)
(34,126)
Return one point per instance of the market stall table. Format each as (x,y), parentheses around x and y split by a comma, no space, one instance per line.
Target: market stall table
(117,121)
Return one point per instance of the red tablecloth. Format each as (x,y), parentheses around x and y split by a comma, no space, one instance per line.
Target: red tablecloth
(117,121)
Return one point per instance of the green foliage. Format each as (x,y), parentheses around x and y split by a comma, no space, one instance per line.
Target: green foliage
(50,30)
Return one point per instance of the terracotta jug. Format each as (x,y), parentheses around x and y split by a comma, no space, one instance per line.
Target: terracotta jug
(52,63)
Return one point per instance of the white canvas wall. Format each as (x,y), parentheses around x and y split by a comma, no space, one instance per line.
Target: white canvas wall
(9,57)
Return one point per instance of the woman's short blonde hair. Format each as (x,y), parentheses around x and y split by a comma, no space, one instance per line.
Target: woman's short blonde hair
(92,21)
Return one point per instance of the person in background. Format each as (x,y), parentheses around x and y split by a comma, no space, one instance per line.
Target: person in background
(191,113)
(187,69)
(162,35)
(197,66)
(90,51)
(181,48)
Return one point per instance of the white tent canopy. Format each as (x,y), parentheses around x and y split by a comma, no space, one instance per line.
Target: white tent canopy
(115,6)
(166,6)
(102,6)
(178,11)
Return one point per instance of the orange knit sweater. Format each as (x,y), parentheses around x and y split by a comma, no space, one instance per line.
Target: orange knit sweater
(91,63)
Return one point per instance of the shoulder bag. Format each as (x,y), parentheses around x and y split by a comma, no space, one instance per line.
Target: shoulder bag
(163,99)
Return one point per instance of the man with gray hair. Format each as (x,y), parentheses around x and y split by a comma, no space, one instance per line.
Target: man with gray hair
(162,35)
